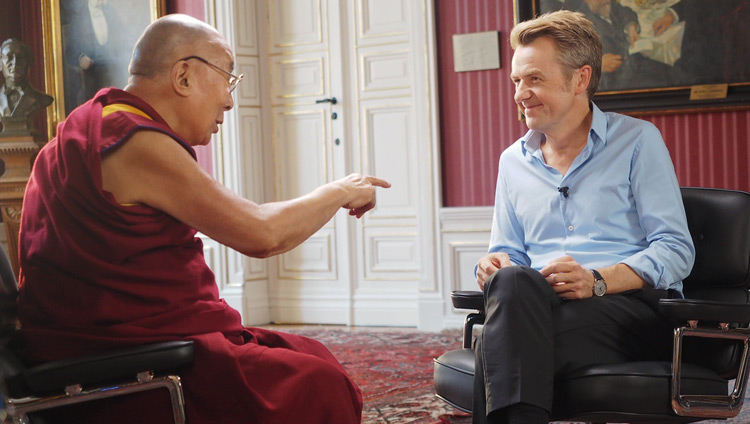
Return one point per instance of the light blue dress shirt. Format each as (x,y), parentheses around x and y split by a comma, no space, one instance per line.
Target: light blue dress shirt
(623,204)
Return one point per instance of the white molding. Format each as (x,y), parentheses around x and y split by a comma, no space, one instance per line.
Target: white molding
(466,219)
(464,238)
(390,29)
(430,182)
(256,309)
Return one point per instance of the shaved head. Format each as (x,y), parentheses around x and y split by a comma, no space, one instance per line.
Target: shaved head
(167,40)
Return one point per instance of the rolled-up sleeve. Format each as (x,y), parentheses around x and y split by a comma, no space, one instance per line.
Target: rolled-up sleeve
(670,254)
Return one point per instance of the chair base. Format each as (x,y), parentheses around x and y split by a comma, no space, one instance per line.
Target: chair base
(17,409)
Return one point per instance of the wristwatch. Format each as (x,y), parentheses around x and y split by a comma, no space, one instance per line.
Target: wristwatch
(600,286)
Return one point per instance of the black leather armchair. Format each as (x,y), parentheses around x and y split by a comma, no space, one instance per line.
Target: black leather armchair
(714,318)
(26,390)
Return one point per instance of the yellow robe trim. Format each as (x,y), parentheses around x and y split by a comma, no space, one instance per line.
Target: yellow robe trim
(120,107)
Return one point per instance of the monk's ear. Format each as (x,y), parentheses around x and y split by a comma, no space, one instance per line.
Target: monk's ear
(182,78)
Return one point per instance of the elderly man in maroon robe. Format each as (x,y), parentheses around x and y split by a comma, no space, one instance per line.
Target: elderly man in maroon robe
(109,256)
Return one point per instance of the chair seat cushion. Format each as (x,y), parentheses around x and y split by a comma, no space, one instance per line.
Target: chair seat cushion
(454,378)
(642,388)
(591,393)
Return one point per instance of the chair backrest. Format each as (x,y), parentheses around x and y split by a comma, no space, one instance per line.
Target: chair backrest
(10,365)
(719,223)
(8,294)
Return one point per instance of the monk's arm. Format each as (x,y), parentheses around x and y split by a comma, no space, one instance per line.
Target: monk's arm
(153,169)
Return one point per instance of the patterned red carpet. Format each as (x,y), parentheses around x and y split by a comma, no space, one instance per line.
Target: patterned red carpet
(393,367)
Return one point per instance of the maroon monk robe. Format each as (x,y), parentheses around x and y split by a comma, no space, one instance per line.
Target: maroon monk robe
(98,275)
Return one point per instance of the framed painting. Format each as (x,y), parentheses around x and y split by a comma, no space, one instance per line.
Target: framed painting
(88,44)
(665,56)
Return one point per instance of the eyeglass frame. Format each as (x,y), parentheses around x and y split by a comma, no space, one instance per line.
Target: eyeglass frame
(234,80)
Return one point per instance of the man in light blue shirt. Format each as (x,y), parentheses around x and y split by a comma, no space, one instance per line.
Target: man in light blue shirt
(589,231)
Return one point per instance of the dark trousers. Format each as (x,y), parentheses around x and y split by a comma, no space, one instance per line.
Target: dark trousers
(531,336)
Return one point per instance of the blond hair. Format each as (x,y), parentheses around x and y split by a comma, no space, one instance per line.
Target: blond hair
(575,39)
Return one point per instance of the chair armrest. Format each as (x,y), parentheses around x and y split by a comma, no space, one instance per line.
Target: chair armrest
(704,310)
(120,364)
(468,300)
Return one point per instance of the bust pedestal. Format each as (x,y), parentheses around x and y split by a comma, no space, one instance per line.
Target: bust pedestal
(17,153)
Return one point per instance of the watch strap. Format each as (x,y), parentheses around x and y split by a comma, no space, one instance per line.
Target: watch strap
(597,276)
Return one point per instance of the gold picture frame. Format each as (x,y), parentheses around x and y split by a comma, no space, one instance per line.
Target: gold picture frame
(704,65)
(65,26)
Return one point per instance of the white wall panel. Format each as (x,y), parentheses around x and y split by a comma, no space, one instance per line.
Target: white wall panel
(464,254)
(389,152)
(250,132)
(211,254)
(245,24)
(302,154)
(391,255)
(389,19)
(294,79)
(385,70)
(296,23)
(313,259)
(464,238)
(248,92)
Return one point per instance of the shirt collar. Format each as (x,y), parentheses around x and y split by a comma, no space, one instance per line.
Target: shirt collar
(14,90)
(598,124)
(532,140)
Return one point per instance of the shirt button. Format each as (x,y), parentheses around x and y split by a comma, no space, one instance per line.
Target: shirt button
(570,228)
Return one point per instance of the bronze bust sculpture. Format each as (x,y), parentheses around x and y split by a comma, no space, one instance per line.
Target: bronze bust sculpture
(19,102)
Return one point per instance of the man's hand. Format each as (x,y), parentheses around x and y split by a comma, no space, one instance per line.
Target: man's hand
(489,264)
(568,278)
(85,62)
(611,62)
(660,25)
(361,192)
(632,33)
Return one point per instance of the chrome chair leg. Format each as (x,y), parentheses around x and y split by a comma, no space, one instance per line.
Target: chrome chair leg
(18,409)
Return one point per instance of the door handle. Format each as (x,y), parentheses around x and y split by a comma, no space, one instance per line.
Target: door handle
(331,100)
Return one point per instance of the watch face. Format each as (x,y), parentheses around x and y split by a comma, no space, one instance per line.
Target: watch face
(600,288)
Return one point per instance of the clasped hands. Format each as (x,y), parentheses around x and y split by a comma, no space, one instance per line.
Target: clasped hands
(567,277)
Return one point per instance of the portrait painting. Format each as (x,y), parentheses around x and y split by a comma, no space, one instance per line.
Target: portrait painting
(96,41)
(656,51)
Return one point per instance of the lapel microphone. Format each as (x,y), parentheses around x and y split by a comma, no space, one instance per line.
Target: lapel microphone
(564,191)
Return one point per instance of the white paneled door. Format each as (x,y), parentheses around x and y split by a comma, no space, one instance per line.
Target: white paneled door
(312,282)
(344,86)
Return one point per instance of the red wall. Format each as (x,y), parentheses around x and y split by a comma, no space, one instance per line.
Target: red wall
(194,8)
(479,119)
